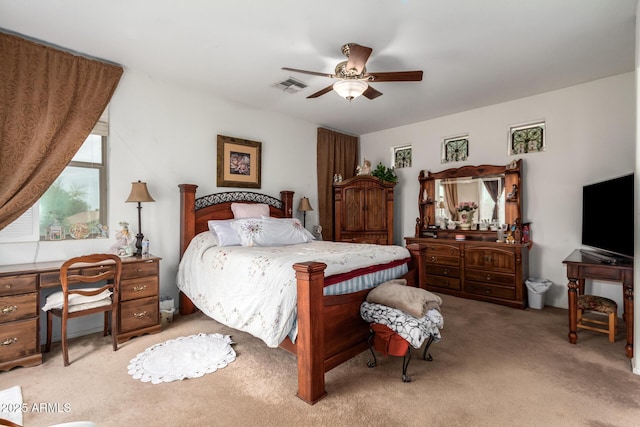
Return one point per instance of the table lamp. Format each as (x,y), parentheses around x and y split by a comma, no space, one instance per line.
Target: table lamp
(139,194)
(304,207)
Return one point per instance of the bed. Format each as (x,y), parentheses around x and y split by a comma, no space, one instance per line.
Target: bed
(327,328)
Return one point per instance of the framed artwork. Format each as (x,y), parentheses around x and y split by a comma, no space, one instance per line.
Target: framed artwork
(455,149)
(238,162)
(402,156)
(529,138)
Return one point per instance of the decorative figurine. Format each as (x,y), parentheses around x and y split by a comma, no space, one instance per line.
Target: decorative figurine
(365,169)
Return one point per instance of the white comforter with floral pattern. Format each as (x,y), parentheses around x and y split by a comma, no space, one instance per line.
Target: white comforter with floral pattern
(253,289)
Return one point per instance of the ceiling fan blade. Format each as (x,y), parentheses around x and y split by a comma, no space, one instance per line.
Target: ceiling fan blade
(396,76)
(321,92)
(358,56)
(313,73)
(371,93)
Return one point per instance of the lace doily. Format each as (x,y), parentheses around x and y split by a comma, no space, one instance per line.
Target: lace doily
(184,357)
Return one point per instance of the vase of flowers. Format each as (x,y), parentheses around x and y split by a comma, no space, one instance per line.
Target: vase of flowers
(466,210)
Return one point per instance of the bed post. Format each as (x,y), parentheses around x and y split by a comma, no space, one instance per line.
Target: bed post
(187,215)
(187,232)
(287,200)
(310,340)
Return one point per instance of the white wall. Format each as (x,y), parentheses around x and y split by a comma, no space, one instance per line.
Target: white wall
(590,137)
(166,136)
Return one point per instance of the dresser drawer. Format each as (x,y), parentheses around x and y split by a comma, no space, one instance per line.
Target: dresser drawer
(17,307)
(18,339)
(490,277)
(490,290)
(442,270)
(138,314)
(12,285)
(139,269)
(435,249)
(443,282)
(138,288)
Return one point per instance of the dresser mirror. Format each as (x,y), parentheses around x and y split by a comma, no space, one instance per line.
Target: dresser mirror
(484,192)
(494,191)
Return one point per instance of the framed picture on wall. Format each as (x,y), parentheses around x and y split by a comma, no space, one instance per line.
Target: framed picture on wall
(527,138)
(238,162)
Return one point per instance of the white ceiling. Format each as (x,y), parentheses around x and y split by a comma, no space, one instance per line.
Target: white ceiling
(473,52)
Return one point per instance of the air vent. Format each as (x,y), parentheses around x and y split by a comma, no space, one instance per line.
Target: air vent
(290,85)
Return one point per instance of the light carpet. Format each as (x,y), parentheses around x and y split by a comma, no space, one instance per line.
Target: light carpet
(184,357)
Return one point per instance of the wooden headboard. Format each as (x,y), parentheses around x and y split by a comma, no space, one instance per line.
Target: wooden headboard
(195,213)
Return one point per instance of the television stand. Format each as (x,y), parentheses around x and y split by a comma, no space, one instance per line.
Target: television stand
(582,267)
(600,256)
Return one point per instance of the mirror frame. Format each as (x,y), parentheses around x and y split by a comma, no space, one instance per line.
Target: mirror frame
(512,172)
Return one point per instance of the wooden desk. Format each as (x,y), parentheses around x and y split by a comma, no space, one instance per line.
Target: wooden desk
(581,267)
(20,287)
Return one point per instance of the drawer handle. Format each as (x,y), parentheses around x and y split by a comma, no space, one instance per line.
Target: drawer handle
(139,270)
(8,286)
(139,288)
(434,258)
(488,277)
(487,259)
(9,341)
(140,315)
(446,283)
(8,309)
(487,290)
(445,272)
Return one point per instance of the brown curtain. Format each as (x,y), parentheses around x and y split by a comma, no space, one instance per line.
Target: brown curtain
(337,153)
(492,189)
(451,198)
(50,101)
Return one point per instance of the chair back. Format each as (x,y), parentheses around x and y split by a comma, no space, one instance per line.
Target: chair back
(93,268)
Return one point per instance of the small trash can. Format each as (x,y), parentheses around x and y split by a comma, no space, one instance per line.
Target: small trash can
(536,288)
(166,310)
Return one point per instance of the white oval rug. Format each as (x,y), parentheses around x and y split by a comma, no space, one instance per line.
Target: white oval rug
(184,357)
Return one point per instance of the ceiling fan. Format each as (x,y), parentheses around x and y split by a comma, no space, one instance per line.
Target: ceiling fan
(353,77)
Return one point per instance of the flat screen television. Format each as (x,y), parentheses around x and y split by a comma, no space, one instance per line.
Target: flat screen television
(607,218)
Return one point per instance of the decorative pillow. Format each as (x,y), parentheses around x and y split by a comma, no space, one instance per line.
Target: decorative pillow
(56,299)
(249,210)
(224,234)
(271,232)
(295,222)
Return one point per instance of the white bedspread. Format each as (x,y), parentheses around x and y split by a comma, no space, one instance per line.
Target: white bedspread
(253,289)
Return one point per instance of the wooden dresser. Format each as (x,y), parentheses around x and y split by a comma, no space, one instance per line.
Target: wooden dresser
(469,262)
(486,271)
(363,210)
(20,287)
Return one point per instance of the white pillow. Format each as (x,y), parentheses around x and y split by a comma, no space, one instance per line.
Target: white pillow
(56,299)
(271,232)
(249,210)
(295,222)
(224,234)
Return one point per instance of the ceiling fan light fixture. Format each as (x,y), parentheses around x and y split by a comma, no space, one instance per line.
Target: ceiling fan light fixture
(349,89)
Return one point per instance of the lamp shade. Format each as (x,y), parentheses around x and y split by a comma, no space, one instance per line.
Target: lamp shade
(139,193)
(304,206)
(350,89)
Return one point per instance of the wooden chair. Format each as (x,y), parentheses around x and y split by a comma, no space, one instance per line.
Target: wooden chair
(598,304)
(73,301)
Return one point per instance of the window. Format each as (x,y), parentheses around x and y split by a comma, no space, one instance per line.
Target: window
(74,207)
